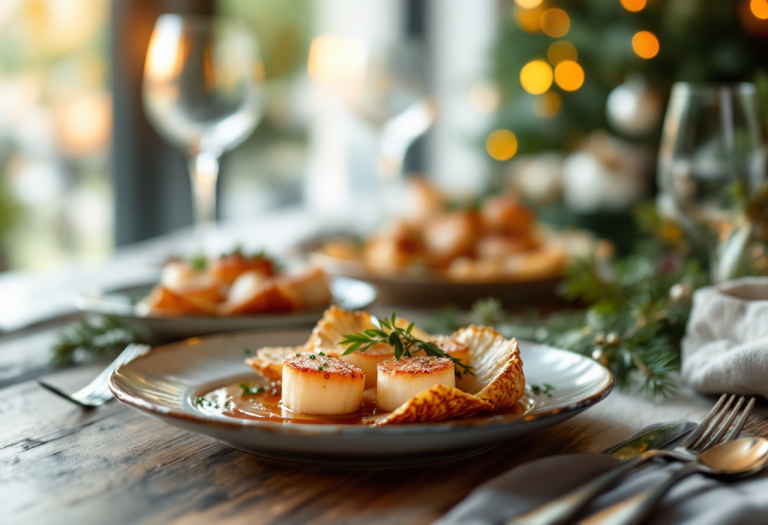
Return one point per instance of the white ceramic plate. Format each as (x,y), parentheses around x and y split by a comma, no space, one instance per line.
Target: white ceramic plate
(349,294)
(164,384)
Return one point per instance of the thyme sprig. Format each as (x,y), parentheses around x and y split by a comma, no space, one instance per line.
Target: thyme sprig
(402,341)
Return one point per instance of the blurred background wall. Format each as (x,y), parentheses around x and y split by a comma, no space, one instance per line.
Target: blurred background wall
(561,100)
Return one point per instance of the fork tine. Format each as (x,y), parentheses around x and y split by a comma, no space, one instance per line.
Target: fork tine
(717,437)
(97,391)
(734,433)
(701,427)
(699,444)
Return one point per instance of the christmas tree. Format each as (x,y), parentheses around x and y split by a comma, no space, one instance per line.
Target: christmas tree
(557,62)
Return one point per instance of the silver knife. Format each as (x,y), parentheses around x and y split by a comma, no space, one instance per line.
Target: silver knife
(657,437)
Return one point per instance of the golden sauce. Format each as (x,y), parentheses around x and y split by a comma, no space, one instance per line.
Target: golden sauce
(266,406)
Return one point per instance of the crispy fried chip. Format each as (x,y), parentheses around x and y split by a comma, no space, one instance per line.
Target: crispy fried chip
(269,361)
(434,404)
(496,364)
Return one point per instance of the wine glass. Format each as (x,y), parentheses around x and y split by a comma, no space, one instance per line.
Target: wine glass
(711,162)
(202,91)
(393,99)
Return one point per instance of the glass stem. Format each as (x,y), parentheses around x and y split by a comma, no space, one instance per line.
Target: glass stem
(714,261)
(204,171)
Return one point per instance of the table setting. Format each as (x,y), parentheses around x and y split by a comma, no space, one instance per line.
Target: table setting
(531,353)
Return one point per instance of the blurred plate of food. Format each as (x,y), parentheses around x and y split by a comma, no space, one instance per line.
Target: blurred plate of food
(443,252)
(228,293)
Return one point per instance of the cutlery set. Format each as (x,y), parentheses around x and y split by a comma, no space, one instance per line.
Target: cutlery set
(711,448)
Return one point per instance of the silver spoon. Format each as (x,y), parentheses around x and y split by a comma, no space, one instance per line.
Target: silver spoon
(745,456)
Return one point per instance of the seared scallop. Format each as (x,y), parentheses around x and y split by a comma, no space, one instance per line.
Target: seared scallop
(368,360)
(400,380)
(319,384)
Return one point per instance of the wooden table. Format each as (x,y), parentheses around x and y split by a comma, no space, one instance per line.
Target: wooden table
(61,464)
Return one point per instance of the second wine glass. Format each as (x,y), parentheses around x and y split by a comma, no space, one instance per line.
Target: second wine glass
(712,161)
(203,92)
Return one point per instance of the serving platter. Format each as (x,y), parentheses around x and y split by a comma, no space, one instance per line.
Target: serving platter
(167,383)
(420,286)
(350,294)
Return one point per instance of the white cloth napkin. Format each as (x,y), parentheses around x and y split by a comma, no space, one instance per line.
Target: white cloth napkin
(725,349)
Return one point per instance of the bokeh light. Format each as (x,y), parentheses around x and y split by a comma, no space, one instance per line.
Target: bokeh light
(555,22)
(536,77)
(335,59)
(528,20)
(501,144)
(645,44)
(633,5)
(759,8)
(569,75)
(561,50)
(528,4)
(548,105)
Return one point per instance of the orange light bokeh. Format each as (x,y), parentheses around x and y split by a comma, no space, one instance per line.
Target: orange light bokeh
(561,50)
(759,8)
(555,22)
(569,75)
(633,5)
(501,144)
(536,77)
(548,105)
(529,20)
(645,44)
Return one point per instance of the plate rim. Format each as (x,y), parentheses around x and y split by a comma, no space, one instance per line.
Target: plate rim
(355,269)
(329,429)
(81,298)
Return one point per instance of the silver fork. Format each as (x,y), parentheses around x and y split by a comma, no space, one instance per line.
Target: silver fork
(704,436)
(96,393)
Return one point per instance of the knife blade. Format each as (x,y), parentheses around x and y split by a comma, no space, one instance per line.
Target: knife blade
(655,437)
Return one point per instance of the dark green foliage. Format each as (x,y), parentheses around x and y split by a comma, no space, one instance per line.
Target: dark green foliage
(92,337)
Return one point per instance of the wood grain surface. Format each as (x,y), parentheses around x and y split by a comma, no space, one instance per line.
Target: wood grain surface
(61,464)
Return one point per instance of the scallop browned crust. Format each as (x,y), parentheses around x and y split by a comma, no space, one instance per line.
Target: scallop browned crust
(311,363)
(415,365)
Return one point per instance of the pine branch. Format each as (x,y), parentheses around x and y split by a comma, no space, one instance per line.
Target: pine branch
(93,337)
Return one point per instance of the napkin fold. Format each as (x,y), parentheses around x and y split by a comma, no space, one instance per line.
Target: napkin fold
(697,500)
(725,349)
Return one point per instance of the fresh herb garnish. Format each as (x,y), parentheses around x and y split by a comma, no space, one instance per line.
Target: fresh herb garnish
(297,354)
(311,356)
(546,389)
(203,402)
(198,263)
(322,354)
(250,390)
(248,351)
(320,368)
(401,340)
